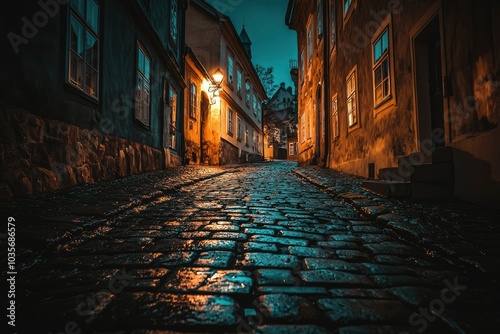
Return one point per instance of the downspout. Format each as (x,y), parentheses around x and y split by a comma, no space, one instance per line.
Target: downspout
(326,80)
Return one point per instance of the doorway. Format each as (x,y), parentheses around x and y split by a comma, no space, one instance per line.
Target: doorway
(428,72)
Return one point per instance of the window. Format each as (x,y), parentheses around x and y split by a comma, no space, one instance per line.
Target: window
(143,97)
(173,117)
(193,100)
(258,141)
(381,68)
(291,149)
(302,128)
(247,97)
(254,139)
(254,104)
(246,134)
(238,128)
(259,110)
(173,20)
(230,69)
(84,46)
(320,18)
(302,67)
(335,117)
(352,111)
(238,81)
(309,44)
(230,124)
(349,6)
(333,27)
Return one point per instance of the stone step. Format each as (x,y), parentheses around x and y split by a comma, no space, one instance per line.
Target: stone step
(431,191)
(395,189)
(442,155)
(392,174)
(415,158)
(436,174)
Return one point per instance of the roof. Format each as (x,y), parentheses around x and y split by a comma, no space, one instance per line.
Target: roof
(244,36)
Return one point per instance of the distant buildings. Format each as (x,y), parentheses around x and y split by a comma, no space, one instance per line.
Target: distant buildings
(405,91)
(280,118)
(232,125)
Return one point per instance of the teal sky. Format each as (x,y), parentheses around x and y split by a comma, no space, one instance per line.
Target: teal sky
(273,43)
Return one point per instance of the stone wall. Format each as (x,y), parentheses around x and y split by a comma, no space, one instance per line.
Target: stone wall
(39,155)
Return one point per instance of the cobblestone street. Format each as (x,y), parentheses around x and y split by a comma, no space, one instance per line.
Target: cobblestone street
(258,248)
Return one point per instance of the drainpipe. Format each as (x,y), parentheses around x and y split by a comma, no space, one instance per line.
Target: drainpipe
(326,80)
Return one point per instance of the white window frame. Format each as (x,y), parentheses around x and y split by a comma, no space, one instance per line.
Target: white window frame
(230,69)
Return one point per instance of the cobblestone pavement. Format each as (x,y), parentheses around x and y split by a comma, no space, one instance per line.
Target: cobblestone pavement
(253,249)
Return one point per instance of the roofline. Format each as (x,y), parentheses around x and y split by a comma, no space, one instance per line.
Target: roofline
(289,12)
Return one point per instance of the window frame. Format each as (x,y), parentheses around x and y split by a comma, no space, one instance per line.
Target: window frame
(138,113)
(353,74)
(320,27)
(73,13)
(248,91)
(353,4)
(230,121)
(309,42)
(174,24)
(390,100)
(193,100)
(238,127)
(230,69)
(173,100)
(247,134)
(239,81)
(333,25)
(335,117)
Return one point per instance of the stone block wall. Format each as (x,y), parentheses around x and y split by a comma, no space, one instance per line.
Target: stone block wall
(40,155)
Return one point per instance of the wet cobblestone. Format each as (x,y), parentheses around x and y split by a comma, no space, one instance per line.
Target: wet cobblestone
(257,249)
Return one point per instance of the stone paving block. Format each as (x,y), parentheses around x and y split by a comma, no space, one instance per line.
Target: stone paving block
(209,280)
(398,280)
(314,263)
(286,308)
(290,329)
(260,231)
(375,238)
(301,235)
(334,277)
(414,295)
(375,211)
(195,235)
(336,245)
(269,260)
(218,259)
(380,269)
(275,277)
(230,236)
(391,248)
(221,227)
(361,293)
(310,252)
(366,229)
(292,290)
(215,244)
(259,247)
(175,259)
(352,255)
(279,240)
(344,237)
(164,310)
(364,310)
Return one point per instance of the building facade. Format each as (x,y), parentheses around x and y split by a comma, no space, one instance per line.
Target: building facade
(90,90)
(280,118)
(233,124)
(409,93)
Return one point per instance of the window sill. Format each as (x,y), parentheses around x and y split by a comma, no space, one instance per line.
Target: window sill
(387,105)
(72,88)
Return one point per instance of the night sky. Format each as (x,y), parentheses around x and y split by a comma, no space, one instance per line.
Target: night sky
(273,43)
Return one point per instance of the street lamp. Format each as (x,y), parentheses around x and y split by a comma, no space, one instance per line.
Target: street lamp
(217,77)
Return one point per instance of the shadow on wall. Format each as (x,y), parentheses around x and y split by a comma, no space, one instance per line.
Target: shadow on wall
(473,179)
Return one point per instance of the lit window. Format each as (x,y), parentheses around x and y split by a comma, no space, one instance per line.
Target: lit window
(230,69)
(143,97)
(173,20)
(84,46)
(173,118)
(230,124)
(335,118)
(352,111)
(381,68)
(193,101)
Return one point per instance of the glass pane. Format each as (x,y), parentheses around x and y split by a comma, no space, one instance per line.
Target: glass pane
(140,60)
(385,68)
(91,51)
(79,6)
(378,94)
(378,75)
(93,15)
(384,41)
(77,36)
(91,81)
(75,69)
(146,68)
(386,86)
